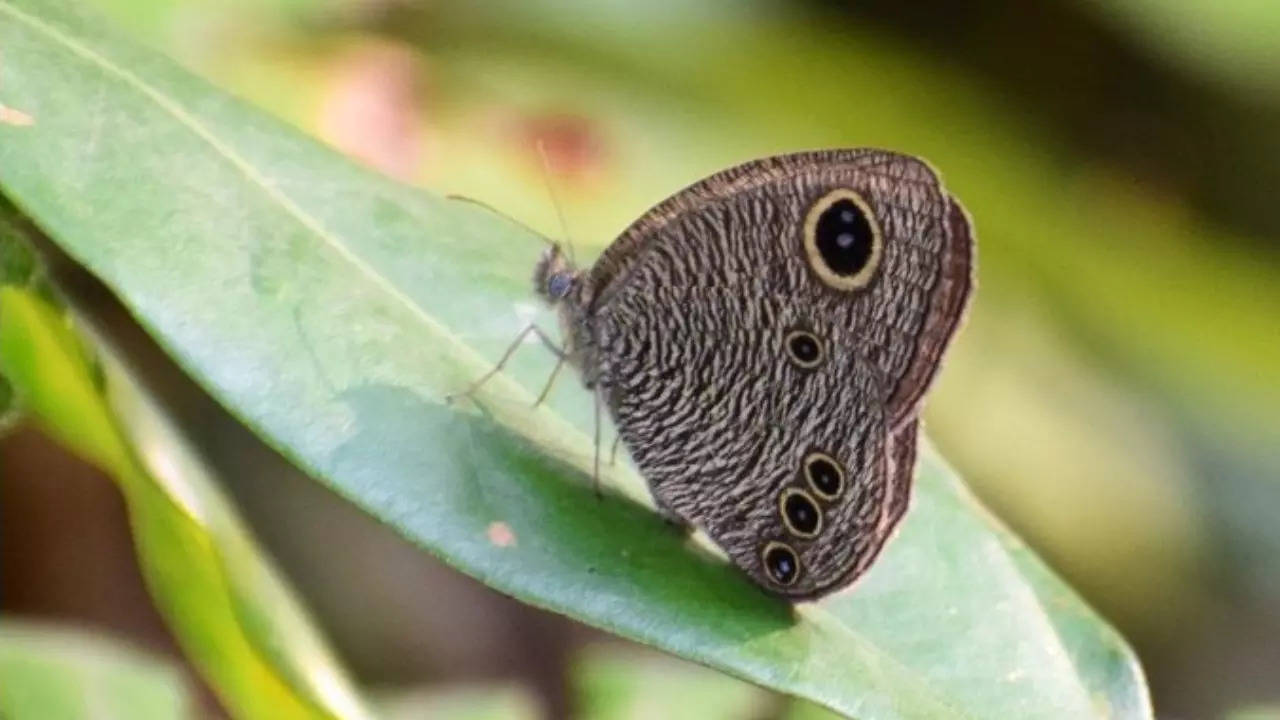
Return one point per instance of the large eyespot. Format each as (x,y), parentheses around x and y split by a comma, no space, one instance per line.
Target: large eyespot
(800,513)
(842,240)
(804,348)
(824,474)
(781,563)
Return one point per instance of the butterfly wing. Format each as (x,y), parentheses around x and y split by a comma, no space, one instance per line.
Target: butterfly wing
(719,427)
(909,310)
(693,314)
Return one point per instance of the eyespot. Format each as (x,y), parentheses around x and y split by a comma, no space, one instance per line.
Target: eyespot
(842,240)
(781,563)
(804,348)
(800,513)
(824,474)
(558,285)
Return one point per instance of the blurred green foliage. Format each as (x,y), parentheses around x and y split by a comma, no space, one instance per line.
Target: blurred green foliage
(235,619)
(1231,41)
(17,267)
(1123,348)
(617,685)
(56,673)
(335,330)
(1094,353)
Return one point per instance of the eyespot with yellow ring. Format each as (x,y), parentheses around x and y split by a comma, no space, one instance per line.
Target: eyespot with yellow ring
(825,475)
(842,240)
(780,562)
(800,514)
(804,348)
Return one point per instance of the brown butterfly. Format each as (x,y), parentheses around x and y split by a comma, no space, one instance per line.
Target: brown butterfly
(762,341)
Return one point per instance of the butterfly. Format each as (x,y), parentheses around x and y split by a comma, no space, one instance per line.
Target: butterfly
(763,340)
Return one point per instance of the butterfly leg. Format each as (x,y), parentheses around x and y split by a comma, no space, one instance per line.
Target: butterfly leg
(560,358)
(613,451)
(506,356)
(670,517)
(595,470)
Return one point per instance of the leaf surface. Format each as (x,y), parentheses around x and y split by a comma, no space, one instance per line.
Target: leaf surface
(332,310)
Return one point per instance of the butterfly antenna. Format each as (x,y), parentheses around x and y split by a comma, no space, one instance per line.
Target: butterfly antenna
(555,200)
(454,197)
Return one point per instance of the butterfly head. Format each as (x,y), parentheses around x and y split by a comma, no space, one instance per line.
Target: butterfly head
(555,275)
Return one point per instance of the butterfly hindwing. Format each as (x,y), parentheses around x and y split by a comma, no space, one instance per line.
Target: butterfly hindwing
(720,427)
(762,340)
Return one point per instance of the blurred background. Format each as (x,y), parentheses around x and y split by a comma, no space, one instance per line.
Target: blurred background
(1113,398)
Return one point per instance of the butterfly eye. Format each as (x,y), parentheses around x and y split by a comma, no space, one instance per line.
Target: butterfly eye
(804,348)
(558,285)
(824,474)
(800,513)
(781,563)
(842,240)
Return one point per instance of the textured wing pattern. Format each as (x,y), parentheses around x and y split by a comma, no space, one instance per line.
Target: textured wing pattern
(719,424)
(689,313)
(906,315)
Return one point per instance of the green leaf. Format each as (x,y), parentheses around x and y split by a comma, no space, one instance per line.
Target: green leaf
(332,310)
(55,673)
(231,613)
(618,683)
(1230,41)
(17,263)
(9,411)
(17,267)
(615,685)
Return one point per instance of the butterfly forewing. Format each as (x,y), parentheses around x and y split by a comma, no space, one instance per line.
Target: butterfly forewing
(905,314)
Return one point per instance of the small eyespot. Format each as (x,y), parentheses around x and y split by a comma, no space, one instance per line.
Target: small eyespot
(558,285)
(781,563)
(824,474)
(804,348)
(800,513)
(842,240)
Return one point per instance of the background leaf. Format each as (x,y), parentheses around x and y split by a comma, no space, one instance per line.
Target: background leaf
(621,685)
(17,267)
(614,684)
(332,310)
(232,615)
(1233,40)
(57,673)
